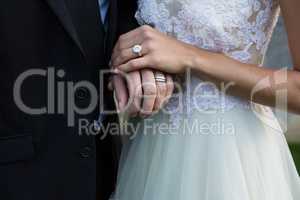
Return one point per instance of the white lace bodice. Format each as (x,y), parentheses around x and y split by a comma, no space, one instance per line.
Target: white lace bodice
(240,29)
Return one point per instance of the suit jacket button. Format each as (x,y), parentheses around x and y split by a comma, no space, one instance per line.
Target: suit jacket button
(86,152)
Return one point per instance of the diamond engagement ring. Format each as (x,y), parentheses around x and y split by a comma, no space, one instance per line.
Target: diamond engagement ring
(137,49)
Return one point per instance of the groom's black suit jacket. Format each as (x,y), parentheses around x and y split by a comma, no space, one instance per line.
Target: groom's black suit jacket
(41,157)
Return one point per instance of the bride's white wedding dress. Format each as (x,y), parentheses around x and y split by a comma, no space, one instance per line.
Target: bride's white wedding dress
(213,147)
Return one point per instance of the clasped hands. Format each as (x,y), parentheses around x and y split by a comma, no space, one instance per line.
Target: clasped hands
(136,87)
(140,93)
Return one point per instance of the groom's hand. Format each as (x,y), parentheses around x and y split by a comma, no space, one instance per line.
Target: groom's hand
(138,93)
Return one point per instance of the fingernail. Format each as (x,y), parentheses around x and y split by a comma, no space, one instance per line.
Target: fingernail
(110,86)
(143,115)
(121,107)
(134,115)
(117,71)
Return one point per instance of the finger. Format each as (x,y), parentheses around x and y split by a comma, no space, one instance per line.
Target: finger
(149,92)
(136,36)
(127,41)
(135,64)
(120,92)
(125,55)
(161,95)
(135,93)
(170,86)
(110,85)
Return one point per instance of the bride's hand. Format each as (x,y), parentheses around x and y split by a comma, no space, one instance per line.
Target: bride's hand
(159,51)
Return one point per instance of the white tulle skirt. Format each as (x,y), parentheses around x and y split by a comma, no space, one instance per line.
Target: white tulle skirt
(229,156)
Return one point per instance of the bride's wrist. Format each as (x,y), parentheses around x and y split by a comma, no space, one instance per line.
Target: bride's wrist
(195,59)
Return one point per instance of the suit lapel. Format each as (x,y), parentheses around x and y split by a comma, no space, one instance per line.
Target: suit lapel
(61,11)
(89,28)
(70,17)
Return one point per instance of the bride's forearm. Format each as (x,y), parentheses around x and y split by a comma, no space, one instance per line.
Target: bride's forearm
(167,54)
(244,78)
